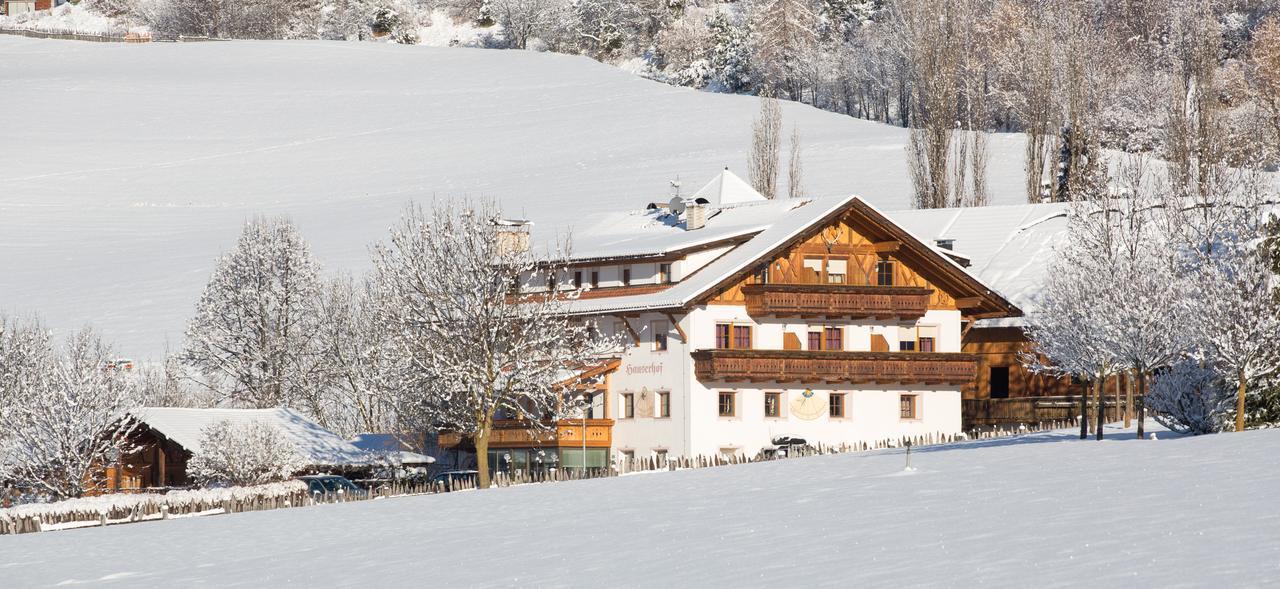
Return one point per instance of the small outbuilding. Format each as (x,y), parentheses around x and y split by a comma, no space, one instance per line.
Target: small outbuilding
(168,437)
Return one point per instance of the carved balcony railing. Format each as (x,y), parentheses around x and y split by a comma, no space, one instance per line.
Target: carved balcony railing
(837,301)
(515,433)
(802,366)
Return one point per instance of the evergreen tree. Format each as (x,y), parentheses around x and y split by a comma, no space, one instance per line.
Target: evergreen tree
(730,59)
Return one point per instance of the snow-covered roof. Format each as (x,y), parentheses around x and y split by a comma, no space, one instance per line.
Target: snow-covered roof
(1009,247)
(317,446)
(656,232)
(728,189)
(782,224)
(391,446)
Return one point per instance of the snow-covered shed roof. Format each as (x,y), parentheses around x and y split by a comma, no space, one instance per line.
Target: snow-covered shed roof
(728,189)
(1009,247)
(392,446)
(316,445)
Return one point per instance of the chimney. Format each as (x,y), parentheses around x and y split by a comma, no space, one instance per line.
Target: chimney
(946,244)
(513,235)
(695,216)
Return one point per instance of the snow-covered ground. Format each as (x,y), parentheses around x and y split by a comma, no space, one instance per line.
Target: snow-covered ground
(126,169)
(1042,510)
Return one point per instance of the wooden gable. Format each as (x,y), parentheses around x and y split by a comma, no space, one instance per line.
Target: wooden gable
(856,239)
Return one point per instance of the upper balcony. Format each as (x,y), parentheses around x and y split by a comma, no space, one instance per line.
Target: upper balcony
(803,366)
(843,301)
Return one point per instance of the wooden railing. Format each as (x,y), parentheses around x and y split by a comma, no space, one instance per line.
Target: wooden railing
(515,433)
(836,301)
(834,367)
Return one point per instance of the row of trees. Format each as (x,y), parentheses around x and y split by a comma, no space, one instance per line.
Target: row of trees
(436,337)
(1174,289)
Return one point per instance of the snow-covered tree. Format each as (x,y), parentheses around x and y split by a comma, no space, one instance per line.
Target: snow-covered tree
(365,375)
(254,337)
(524,20)
(730,54)
(1239,319)
(476,347)
(243,454)
(783,32)
(62,410)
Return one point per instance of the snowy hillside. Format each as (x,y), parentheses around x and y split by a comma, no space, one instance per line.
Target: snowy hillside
(1042,510)
(129,168)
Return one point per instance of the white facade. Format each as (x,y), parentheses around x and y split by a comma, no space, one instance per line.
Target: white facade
(695,426)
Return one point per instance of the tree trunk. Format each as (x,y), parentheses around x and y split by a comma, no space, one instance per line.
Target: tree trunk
(482,456)
(1142,402)
(1101,410)
(1128,399)
(1240,391)
(1084,414)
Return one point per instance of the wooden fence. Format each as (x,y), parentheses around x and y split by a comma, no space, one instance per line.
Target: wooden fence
(992,412)
(127,508)
(72,35)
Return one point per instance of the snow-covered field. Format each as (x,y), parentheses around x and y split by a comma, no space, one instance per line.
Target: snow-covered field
(126,169)
(1042,510)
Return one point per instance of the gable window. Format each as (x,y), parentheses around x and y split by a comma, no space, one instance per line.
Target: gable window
(907,407)
(595,279)
(727,404)
(772,404)
(664,404)
(813,270)
(664,273)
(836,405)
(837,270)
(659,329)
(884,273)
(628,405)
(626,276)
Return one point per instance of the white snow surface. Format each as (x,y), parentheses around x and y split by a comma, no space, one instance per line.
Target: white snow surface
(131,167)
(1043,510)
(317,446)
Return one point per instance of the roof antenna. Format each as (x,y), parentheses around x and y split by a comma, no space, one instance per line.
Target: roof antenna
(675,186)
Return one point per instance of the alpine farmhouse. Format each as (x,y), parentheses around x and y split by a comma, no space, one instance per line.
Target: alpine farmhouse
(750,320)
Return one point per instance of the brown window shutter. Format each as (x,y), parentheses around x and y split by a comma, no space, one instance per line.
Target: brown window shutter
(878,343)
(790,341)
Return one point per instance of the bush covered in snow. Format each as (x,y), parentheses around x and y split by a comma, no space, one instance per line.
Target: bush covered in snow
(251,453)
(1191,398)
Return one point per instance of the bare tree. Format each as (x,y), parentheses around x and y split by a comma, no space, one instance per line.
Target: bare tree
(766,143)
(795,169)
(477,348)
(523,20)
(250,453)
(784,34)
(365,375)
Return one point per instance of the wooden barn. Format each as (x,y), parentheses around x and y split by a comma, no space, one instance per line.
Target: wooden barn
(167,437)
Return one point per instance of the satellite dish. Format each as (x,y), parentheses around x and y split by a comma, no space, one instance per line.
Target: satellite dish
(677,205)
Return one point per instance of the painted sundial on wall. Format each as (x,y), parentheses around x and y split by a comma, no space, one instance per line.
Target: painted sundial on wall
(808,406)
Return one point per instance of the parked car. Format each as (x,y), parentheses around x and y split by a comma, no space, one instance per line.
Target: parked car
(453,477)
(332,484)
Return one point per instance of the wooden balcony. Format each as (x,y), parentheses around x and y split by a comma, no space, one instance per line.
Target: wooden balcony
(837,301)
(514,433)
(802,366)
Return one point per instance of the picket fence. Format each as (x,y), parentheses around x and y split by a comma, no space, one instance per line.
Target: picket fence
(128,508)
